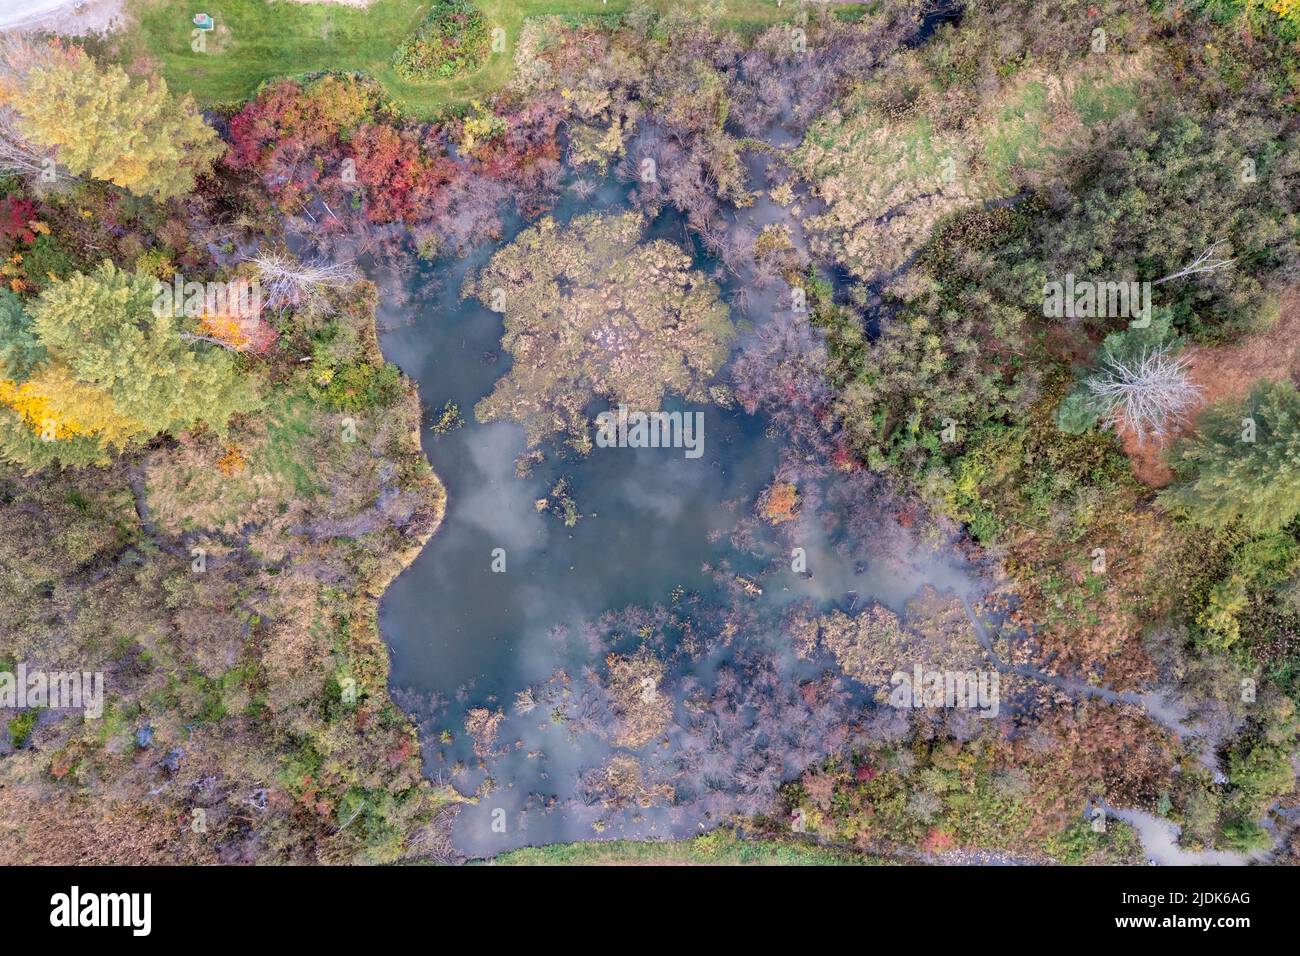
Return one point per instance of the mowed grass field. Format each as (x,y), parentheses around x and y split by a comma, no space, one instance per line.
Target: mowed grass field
(715,849)
(256,40)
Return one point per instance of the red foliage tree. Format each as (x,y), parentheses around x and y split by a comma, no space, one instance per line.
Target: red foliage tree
(938,840)
(401,183)
(16,216)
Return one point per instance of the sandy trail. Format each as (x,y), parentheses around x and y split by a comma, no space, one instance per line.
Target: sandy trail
(64,17)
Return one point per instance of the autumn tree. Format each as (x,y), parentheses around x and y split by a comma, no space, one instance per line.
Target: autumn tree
(779,501)
(20,54)
(104,125)
(97,368)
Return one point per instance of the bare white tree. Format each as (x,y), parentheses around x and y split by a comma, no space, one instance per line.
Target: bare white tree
(584,189)
(19,156)
(1205,262)
(287,282)
(1148,392)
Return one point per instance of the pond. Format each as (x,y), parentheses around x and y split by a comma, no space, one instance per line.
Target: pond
(654,526)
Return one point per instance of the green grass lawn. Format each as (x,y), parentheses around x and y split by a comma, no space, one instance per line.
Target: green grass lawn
(719,848)
(256,40)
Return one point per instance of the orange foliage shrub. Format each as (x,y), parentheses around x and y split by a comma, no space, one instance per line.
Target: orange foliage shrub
(238,333)
(779,502)
(233,461)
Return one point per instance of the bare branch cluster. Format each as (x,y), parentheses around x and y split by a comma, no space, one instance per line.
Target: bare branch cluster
(287,282)
(1148,392)
(1205,262)
(19,55)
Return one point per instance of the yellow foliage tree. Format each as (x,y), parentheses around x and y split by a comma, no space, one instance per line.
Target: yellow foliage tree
(58,407)
(228,330)
(102,124)
(1286,9)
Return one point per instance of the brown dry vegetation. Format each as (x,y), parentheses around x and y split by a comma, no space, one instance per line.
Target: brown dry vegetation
(643,710)
(622,783)
(874,644)
(483,725)
(240,676)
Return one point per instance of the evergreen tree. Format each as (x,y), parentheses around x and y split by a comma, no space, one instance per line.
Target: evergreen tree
(19,350)
(1245,463)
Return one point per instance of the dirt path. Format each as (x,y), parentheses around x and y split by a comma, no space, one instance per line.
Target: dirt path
(64,17)
(1160,842)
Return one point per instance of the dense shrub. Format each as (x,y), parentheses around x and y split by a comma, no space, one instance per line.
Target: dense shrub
(1280,16)
(453,40)
(1245,463)
(97,368)
(329,149)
